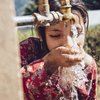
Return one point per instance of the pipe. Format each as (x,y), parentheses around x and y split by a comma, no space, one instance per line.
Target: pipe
(24,20)
(45,17)
(43,7)
(65,9)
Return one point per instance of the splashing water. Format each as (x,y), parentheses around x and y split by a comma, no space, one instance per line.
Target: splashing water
(73,76)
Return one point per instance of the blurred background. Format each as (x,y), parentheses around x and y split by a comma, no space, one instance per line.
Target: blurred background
(92,44)
(26,7)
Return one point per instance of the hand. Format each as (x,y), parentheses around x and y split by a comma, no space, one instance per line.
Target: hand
(62,56)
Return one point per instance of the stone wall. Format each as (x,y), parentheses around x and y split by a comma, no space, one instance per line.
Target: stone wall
(10,78)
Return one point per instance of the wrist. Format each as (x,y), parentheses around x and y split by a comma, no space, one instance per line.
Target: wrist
(50,68)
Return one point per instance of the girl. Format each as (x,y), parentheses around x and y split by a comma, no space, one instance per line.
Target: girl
(41,60)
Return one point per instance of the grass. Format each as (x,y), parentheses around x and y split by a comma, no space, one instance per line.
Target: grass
(22,35)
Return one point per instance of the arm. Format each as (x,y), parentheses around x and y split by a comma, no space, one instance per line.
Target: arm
(92,76)
(34,77)
(29,50)
(88,92)
(37,80)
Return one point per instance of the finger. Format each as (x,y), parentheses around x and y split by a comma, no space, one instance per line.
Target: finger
(65,50)
(69,63)
(72,58)
(66,64)
(73,63)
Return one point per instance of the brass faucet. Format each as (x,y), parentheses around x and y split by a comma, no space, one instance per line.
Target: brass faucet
(43,7)
(65,9)
(45,17)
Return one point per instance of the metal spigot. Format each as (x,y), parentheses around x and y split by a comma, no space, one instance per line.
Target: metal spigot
(43,7)
(45,17)
(65,9)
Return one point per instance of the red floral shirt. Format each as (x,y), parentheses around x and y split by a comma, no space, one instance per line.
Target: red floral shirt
(38,85)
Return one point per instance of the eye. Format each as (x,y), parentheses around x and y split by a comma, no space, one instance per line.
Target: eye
(55,36)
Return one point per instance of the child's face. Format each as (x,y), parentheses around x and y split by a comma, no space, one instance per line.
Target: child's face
(58,35)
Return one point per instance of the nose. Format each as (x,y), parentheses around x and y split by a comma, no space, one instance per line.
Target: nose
(68,42)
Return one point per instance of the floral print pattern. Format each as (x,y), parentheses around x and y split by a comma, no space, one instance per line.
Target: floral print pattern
(38,85)
(30,50)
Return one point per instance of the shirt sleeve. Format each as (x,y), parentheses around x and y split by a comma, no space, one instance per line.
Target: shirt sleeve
(92,77)
(89,92)
(38,85)
(34,77)
(29,50)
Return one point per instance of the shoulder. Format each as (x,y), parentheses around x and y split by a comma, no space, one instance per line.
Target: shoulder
(30,40)
(33,74)
(33,66)
(90,66)
(89,60)
(30,50)
(30,43)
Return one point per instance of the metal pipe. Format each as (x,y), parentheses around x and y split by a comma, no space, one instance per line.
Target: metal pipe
(24,20)
(45,17)
(43,7)
(65,9)
(28,20)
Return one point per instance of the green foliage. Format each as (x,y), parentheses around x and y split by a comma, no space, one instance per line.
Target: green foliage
(92,46)
(29,8)
(22,35)
(92,43)
(92,4)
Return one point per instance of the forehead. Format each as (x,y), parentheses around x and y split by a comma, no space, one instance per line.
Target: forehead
(58,25)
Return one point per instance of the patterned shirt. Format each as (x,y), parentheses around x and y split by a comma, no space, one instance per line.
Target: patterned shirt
(38,85)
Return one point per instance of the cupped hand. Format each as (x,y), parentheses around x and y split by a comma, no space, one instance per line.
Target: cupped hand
(62,56)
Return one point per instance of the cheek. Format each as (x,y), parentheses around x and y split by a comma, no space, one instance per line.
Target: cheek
(51,44)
